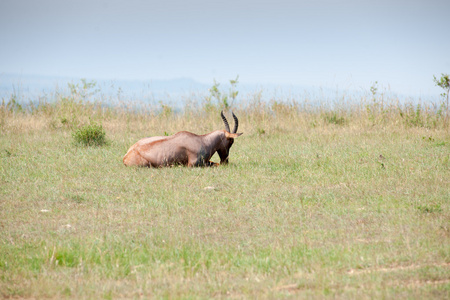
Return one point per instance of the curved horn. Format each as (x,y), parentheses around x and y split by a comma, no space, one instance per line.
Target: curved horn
(227,127)
(236,123)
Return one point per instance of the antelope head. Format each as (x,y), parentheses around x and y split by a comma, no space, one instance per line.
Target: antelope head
(227,142)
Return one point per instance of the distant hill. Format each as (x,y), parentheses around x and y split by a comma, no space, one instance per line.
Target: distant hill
(175,91)
(47,84)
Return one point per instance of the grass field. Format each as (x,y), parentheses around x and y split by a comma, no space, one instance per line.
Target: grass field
(346,203)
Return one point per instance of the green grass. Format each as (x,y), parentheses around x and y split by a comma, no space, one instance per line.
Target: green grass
(309,207)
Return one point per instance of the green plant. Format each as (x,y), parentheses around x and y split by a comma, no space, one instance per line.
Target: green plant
(434,208)
(412,116)
(444,83)
(12,105)
(224,100)
(84,89)
(334,118)
(166,110)
(372,107)
(376,109)
(90,135)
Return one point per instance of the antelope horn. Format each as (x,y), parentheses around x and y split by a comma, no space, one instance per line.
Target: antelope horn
(227,127)
(236,123)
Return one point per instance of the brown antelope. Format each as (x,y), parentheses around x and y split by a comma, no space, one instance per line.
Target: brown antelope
(183,148)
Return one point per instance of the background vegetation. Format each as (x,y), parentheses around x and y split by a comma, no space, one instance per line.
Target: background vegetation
(347,200)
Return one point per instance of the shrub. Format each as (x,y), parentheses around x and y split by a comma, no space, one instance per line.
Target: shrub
(223,100)
(90,135)
(334,118)
(444,83)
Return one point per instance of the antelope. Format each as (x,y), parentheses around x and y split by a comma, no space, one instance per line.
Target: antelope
(183,148)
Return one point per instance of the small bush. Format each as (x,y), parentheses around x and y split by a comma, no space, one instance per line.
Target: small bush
(90,135)
(333,118)
(223,100)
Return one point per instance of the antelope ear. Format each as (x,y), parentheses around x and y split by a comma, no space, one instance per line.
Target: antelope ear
(232,135)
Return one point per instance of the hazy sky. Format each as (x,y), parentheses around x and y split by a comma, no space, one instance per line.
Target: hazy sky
(344,44)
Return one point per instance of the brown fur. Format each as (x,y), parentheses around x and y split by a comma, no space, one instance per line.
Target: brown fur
(182,148)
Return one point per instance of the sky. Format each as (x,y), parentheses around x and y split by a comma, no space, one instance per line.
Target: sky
(341,44)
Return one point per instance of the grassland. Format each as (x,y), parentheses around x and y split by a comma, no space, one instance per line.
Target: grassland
(351,202)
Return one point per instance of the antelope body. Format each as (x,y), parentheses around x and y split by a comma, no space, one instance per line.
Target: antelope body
(183,148)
